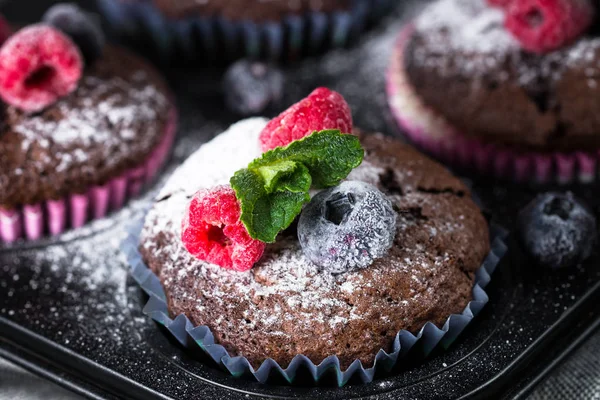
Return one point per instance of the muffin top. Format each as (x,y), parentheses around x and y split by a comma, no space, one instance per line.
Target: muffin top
(467,66)
(111,123)
(255,10)
(285,306)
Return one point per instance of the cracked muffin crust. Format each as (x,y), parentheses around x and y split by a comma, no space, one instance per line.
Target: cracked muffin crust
(463,63)
(284,306)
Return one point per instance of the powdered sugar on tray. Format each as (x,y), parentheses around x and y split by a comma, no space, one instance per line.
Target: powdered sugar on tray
(284,293)
(79,280)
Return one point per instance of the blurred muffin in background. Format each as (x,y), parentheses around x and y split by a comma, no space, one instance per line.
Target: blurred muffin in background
(229,29)
(508,88)
(84,126)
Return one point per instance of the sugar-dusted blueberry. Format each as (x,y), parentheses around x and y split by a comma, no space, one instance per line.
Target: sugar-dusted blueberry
(557,230)
(250,87)
(347,227)
(80,26)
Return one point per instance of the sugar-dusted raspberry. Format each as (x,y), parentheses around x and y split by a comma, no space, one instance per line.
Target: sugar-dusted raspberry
(212,231)
(546,25)
(322,109)
(38,65)
(5,30)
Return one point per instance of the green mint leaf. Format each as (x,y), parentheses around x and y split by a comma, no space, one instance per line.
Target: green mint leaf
(274,187)
(277,173)
(329,156)
(267,210)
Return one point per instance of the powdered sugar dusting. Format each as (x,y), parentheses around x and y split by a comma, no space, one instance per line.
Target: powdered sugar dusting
(214,164)
(109,116)
(470,26)
(469,37)
(467,26)
(367,172)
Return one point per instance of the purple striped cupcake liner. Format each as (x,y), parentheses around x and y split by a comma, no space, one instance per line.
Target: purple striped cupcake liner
(434,134)
(53,217)
(219,38)
(426,340)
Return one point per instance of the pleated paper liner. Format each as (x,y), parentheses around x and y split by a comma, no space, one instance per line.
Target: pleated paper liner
(428,338)
(53,217)
(210,38)
(432,133)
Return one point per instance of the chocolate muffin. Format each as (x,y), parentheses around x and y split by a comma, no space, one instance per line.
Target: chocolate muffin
(285,305)
(462,62)
(98,144)
(464,89)
(111,123)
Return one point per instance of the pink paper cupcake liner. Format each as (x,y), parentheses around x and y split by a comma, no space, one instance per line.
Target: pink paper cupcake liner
(433,133)
(54,217)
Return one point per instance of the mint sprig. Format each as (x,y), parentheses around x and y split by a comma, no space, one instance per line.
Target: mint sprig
(274,187)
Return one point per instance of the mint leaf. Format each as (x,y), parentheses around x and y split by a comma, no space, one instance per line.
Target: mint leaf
(277,173)
(274,187)
(329,156)
(266,209)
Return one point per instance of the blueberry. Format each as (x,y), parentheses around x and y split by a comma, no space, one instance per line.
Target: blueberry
(557,230)
(347,227)
(250,87)
(85,32)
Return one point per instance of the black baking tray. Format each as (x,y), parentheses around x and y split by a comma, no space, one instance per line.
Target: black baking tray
(70,312)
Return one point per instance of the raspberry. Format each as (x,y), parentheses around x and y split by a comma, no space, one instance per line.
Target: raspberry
(38,65)
(545,25)
(322,109)
(212,231)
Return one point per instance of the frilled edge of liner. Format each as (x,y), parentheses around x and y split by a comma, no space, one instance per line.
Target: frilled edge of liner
(429,337)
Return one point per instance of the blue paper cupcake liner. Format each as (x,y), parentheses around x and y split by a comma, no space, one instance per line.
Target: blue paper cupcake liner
(218,38)
(428,338)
